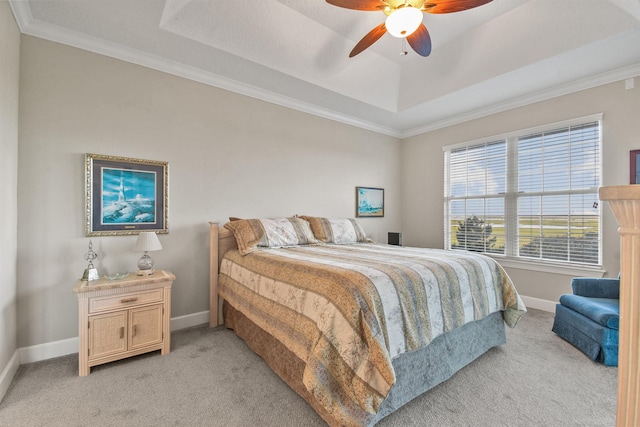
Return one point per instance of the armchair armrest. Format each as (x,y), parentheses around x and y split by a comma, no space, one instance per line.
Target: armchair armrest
(596,287)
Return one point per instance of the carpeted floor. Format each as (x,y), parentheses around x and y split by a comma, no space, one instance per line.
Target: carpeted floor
(211,378)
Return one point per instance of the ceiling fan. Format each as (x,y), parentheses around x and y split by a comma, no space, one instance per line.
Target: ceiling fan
(404,19)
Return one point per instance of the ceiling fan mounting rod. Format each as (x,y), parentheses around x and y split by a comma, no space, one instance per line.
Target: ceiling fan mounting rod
(389,9)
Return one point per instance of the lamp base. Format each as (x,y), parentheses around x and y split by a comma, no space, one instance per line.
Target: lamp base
(145,272)
(90,274)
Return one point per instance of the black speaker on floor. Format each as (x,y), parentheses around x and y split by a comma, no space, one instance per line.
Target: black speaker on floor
(394,239)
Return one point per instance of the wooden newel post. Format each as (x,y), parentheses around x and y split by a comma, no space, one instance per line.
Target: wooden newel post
(625,204)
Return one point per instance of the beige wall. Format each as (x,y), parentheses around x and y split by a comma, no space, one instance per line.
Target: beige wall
(422,185)
(233,155)
(9,75)
(229,155)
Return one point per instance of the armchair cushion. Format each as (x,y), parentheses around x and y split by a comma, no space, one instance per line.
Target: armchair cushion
(604,311)
(589,318)
(596,287)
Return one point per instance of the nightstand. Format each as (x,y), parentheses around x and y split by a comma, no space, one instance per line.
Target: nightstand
(123,318)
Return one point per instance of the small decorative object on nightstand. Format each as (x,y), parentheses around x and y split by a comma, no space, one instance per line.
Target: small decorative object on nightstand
(123,318)
(90,273)
(147,241)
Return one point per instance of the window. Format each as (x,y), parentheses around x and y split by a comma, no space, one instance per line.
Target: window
(530,195)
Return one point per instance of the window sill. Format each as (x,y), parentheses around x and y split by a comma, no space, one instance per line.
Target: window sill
(550,267)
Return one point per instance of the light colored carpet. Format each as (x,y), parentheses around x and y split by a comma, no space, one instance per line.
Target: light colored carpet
(211,378)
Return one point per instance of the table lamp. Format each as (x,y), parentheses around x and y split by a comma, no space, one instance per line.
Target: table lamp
(147,241)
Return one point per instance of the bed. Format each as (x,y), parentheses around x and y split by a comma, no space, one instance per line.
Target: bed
(358,329)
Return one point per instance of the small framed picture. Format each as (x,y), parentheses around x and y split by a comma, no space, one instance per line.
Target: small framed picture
(634,167)
(125,196)
(369,202)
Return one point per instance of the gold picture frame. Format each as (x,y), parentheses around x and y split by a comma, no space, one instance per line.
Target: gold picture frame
(125,196)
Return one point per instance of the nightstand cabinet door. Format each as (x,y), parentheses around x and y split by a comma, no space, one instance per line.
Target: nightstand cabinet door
(145,326)
(107,334)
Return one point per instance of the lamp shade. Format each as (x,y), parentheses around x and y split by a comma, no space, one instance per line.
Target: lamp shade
(147,241)
(404,22)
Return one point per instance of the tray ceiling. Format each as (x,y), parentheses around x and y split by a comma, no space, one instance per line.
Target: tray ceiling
(295,52)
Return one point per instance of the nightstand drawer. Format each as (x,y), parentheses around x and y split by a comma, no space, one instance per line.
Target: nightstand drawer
(97,305)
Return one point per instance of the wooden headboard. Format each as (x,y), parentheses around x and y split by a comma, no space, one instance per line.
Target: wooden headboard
(221,240)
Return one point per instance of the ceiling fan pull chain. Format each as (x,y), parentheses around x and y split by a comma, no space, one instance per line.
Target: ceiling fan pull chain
(404,48)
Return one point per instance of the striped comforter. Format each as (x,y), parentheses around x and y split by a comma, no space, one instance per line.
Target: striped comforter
(348,310)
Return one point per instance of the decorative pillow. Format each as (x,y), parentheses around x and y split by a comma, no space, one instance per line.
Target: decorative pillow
(336,230)
(253,234)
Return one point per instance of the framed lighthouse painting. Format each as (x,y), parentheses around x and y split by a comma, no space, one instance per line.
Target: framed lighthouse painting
(125,196)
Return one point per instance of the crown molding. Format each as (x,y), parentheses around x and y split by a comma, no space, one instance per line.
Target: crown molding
(543,95)
(22,13)
(32,27)
(43,30)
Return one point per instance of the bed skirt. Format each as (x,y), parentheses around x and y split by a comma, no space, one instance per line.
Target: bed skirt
(416,372)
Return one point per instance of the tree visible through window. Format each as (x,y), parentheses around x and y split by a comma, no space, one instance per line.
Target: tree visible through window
(474,234)
(531,194)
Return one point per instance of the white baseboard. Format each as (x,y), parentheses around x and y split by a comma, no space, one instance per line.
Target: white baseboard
(539,304)
(8,373)
(36,353)
(189,320)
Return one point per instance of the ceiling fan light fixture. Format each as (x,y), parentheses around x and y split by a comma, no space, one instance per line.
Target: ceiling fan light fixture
(404,21)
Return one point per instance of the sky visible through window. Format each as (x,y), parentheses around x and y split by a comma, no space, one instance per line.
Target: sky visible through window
(552,166)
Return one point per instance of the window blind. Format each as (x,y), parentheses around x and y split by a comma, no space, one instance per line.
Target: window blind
(558,211)
(477,187)
(531,194)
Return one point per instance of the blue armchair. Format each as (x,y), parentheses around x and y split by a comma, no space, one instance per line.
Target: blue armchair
(590,317)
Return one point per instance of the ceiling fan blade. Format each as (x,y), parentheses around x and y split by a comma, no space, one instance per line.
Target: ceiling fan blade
(450,6)
(371,5)
(420,41)
(370,39)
